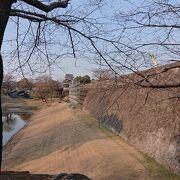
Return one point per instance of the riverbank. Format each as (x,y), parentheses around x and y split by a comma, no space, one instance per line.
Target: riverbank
(60,139)
(20,105)
(16,114)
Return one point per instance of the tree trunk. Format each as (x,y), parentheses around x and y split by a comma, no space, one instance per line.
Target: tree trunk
(1,122)
(5,6)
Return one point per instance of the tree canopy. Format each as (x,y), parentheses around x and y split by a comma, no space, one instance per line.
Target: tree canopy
(83,79)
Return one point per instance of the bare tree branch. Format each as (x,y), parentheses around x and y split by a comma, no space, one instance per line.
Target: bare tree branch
(47,8)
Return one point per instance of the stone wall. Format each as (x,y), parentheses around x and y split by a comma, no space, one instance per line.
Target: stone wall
(77,94)
(148,118)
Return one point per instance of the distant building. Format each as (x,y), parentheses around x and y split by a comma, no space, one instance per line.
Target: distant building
(68,79)
(69,76)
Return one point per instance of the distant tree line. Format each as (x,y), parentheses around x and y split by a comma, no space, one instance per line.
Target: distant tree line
(83,79)
(42,87)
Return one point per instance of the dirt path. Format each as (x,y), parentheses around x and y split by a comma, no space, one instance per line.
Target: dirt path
(60,139)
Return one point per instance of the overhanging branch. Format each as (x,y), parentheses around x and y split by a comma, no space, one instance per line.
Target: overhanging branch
(47,8)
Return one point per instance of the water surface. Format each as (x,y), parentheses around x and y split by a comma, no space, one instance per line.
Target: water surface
(11,125)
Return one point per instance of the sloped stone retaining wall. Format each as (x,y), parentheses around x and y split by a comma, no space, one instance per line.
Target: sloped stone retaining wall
(147,118)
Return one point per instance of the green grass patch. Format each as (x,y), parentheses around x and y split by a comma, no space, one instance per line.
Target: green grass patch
(155,168)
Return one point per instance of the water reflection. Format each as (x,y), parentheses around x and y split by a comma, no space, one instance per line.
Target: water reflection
(12,123)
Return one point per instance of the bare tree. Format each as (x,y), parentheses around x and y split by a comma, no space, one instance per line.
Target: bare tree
(5,11)
(25,84)
(45,87)
(103,74)
(9,83)
(150,30)
(48,35)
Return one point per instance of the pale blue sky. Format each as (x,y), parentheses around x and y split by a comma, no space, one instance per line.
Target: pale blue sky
(84,62)
(77,66)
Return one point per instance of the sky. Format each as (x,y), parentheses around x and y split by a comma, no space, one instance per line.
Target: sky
(77,66)
(59,48)
(70,65)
